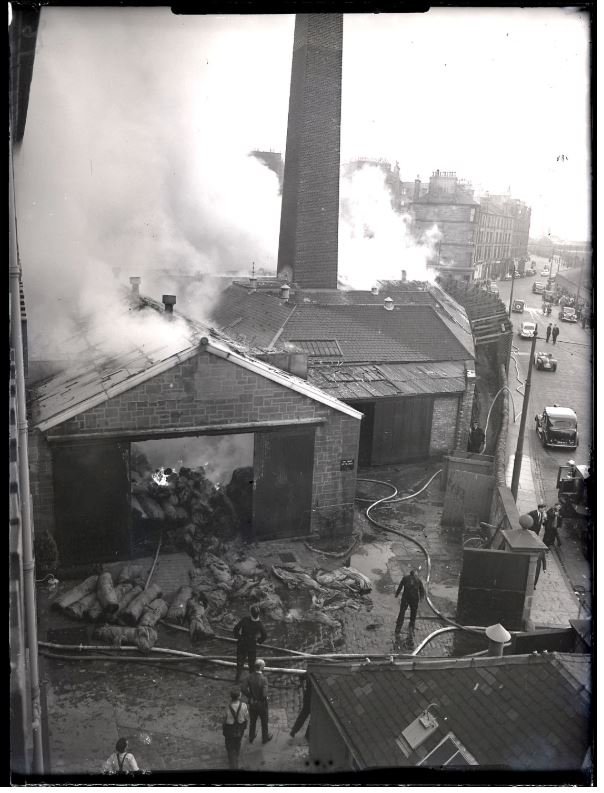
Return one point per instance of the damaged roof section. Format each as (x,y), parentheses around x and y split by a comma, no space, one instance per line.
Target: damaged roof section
(523,711)
(96,371)
(367,381)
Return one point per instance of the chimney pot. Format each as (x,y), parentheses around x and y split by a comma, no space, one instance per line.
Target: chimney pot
(389,304)
(253,284)
(403,275)
(498,637)
(374,290)
(284,292)
(135,283)
(168,301)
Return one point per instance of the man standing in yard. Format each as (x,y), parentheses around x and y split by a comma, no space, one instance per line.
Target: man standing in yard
(233,727)
(256,691)
(413,590)
(249,632)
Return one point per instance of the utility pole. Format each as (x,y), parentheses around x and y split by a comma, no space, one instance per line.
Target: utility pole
(512,291)
(525,407)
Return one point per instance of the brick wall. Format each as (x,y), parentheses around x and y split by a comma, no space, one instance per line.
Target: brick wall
(206,391)
(308,240)
(465,416)
(444,422)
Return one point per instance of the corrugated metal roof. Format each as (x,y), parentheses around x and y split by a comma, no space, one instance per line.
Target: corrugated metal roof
(350,382)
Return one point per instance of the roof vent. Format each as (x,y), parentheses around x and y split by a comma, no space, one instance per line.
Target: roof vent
(374,290)
(388,304)
(253,283)
(135,282)
(498,637)
(169,301)
(284,292)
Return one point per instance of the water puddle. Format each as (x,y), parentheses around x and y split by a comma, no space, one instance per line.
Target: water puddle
(372,558)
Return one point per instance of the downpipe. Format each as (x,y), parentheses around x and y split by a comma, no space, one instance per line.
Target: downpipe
(29,584)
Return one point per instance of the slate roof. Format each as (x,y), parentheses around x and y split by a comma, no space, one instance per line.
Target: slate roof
(434,327)
(373,334)
(529,712)
(98,371)
(368,381)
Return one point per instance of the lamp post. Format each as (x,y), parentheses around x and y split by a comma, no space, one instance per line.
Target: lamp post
(512,291)
(525,406)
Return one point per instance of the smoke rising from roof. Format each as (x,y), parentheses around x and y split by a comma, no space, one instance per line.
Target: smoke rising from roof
(135,160)
(375,242)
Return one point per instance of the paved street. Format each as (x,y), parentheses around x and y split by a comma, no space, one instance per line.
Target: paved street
(569,386)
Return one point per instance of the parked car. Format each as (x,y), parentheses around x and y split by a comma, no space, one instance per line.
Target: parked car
(545,272)
(518,306)
(538,288)
(567,314)
(545,360)
(530,271)
(527,330)
(557,426)
(506,277)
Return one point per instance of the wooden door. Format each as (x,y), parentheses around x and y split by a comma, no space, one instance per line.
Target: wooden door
(283,473)
(402,429)
(91,484)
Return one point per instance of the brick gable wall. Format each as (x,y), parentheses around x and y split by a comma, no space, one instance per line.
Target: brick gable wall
(206,391)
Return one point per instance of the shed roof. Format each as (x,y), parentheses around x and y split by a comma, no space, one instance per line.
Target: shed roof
(368,381)
(528,711)
(97,371)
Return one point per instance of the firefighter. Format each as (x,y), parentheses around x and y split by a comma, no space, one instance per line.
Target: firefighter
(413,590)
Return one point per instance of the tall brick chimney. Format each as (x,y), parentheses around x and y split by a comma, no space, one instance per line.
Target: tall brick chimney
(308,239)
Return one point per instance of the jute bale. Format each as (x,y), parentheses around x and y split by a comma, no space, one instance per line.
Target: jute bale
(131,572)
(95,611)
(75,594)
(78,609)
(105,592)
(199,627)
(126,600)
(142,637)
(154,612)
(121,592)
(178,607)
(132,614)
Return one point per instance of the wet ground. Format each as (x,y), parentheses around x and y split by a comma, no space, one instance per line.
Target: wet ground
(172,711)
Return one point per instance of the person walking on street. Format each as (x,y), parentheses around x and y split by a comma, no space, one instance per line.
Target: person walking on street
(121,761)
(305,711)
(555,332)
(552,524)
(249,632)
(539,516)
(256,691)
(413,590)
(548,332)
(234,726)
(475,438)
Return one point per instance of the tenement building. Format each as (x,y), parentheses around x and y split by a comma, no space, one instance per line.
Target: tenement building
(501,235)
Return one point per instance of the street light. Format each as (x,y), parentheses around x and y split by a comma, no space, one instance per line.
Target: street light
(512,291)
(525,407)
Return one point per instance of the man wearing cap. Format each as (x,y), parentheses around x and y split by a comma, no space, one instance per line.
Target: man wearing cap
(552,524)
(249,632)
(412,589)
(256,691)
(538,515)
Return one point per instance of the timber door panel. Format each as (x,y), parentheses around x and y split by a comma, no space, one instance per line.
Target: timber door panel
(91,484)
(283,471)
(467,493)
(402,429)
(366,435)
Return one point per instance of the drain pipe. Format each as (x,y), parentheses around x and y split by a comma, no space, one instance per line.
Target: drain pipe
(29,584)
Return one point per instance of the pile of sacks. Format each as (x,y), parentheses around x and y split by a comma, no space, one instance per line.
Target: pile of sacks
(187,502)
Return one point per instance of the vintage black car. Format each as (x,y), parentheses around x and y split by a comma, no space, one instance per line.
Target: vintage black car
(557,426)
(538,288)
(545,360)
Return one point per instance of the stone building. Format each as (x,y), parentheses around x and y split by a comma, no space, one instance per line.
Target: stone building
(449,204)
(501,235)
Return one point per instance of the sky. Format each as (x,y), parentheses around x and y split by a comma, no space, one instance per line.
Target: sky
(139,125)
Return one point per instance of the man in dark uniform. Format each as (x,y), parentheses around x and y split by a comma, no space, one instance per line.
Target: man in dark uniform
(249,632)
(413,590)
(538,515)
(256,690)
(475,438)
(552,524)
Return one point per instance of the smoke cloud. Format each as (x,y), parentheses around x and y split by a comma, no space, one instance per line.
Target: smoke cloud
(375,242)
(135,162)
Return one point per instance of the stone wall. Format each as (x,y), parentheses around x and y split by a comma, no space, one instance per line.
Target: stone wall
(444,423)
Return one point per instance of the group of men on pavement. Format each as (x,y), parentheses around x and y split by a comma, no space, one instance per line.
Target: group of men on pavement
(553,332)
(550,521)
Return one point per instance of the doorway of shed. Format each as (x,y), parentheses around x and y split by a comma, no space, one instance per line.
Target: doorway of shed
(191,487)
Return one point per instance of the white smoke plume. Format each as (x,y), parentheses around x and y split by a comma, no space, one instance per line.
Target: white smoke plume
(135,162)
(376,242)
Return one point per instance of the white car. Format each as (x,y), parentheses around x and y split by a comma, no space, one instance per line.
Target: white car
(545,273)
(527,330)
